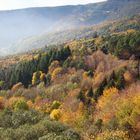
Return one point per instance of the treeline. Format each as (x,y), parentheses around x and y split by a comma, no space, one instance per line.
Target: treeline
(123,46)
(23,71)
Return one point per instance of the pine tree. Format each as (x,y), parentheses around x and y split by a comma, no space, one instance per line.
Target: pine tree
(120,84)
(90,93)
(48,79)
(110,83)
(100,89)
(112,76)
(81,96)
(111,80)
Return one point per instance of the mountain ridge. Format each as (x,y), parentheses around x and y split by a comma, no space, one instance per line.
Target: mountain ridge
(36,21)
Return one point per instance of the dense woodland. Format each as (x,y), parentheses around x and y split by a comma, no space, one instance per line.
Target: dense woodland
(86,89)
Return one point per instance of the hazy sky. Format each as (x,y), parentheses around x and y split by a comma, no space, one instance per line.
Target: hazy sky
(17,4)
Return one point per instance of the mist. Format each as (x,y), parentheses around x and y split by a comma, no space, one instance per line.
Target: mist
(16,25)
(22,30)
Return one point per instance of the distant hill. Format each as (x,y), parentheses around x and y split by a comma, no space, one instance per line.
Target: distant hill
(18,25)
(54,38)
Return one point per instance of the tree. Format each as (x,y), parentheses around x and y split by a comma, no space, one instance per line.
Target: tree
(107,97)
(120,84)
(100,89)
(81,96)
(43,77)
(48,79)
(55,114)
(36,77)
(55,105)
(21,105)
(90,93)
(55,64)
(43,63)
(57,72)
(1,84)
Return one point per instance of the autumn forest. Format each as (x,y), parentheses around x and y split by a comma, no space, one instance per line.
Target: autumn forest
(82,89)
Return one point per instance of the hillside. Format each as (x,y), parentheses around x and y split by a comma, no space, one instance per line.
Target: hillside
(80,90)
(34,21)
(77,82)
(59,37)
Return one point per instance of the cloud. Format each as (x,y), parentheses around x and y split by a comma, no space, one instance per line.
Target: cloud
(17,4)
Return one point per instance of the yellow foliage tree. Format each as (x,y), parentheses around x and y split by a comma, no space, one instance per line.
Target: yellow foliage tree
(30,104)
(36,77)
(128,77)
(42,77)
(57,72)
(53,66)
(131,31)
(105,102)
(108,95)
(128,111)
(55,114)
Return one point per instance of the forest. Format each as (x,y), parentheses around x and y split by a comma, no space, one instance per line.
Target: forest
(86,89)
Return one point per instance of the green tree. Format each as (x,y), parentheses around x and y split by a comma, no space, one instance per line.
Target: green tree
(120,84)
(21,105)
(100,89)
(81,96)
(90,93)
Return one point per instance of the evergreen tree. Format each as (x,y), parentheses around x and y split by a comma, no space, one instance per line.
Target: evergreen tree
(111,80)
(112,76)
(100,89)
(110,83)
(90,93)
(81,97)
(120,84)
(48,79)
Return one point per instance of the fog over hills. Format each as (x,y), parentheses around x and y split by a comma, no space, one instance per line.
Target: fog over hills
(18,27)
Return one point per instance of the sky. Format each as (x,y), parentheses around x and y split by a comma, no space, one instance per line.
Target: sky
(18,4)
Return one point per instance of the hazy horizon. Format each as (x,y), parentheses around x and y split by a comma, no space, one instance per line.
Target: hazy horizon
(16,4)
